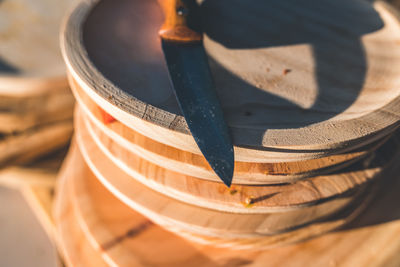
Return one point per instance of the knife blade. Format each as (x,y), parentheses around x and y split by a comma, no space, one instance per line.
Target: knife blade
(193,85)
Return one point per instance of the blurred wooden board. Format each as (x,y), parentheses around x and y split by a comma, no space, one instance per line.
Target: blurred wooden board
(36,180)
(309,89)
(239,198)
(18,114)
(33,143)
(33,85)
(30,60)
(122,237)
(195,165)
(41,199)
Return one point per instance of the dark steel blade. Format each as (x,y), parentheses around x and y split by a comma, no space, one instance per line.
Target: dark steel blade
(194,88)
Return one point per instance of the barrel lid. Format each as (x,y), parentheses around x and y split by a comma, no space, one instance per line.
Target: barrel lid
(30,58)
(291,75)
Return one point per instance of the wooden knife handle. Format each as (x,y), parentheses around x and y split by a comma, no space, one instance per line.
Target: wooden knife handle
(177,25)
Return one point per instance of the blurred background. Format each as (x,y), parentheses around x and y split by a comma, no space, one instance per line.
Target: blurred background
(35,127)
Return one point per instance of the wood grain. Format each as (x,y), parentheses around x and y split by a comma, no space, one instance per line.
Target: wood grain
(36,180)
(123,239)
(71,241)
(192,164)
(273,98)
(28,145)
(18,114)
(175,214)
(239,198)
(90,205)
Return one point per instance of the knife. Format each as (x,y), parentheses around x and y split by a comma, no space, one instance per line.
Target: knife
(190,76)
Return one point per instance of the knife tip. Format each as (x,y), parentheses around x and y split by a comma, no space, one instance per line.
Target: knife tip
(224,170)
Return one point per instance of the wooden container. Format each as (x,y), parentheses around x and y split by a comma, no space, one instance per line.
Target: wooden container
(312,106)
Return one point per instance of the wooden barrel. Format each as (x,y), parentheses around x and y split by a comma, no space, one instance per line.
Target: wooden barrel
(311,103)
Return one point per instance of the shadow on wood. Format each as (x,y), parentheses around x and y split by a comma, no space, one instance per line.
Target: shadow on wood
(276,64)
(333,30)
(384,209)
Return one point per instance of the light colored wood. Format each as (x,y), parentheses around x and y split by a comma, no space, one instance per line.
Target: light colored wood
(196,165)
(309,89)
(33,86)
(41,201)
(176,27)
(238,198)
(22,113)
(124,237)
(175,214)
(36,180)
(20,177)
(74,246)
(30,60)
(92,199)
(21,148)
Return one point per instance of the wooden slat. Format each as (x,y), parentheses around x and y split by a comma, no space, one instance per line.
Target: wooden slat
(73,244)
(18,114)
(196,165)
(239,198)
(170,212)
(28,145)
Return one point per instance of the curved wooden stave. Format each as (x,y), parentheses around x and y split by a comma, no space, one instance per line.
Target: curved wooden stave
(121,237)
(195,165)
(74,246)
(156,123)
(238,198)
(164,210)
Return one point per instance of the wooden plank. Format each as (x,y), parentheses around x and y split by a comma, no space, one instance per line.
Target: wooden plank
(20,177)
(238,198)
(36,181)
(18,114)
(24,147)
(328,99)
(40,198)
(30,61)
